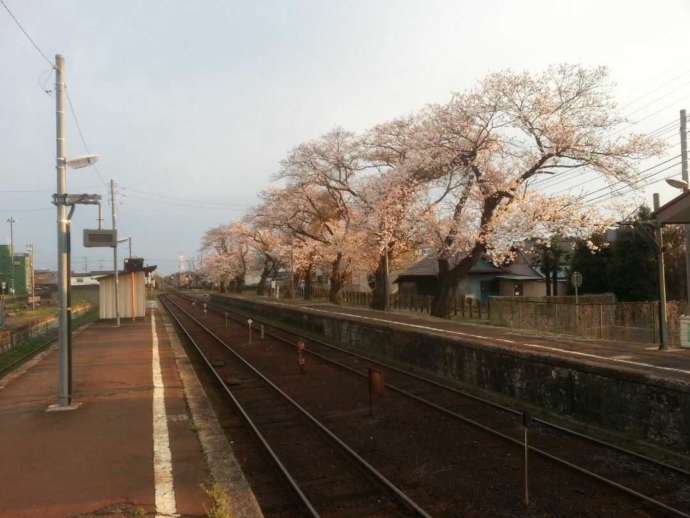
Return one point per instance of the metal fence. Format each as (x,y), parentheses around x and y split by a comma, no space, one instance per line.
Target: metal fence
(627,321)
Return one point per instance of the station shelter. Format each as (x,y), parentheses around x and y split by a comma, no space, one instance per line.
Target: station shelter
(132,284)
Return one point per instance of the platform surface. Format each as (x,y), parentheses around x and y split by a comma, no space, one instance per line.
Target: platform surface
(644,358)
(102,459)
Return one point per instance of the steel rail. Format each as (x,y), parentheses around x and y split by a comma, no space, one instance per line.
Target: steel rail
(400,495)
(274,456)
(492,431)
(468,395)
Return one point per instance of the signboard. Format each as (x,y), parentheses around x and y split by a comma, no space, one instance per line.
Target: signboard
(576,279)
(100,238)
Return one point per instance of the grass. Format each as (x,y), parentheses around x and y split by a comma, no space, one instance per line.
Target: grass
(220,505)
(34,344)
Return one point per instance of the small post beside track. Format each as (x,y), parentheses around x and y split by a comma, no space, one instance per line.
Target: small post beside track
(376,387)
(226,320)
(262,331)
(301,361)
(249,325)
(526,421)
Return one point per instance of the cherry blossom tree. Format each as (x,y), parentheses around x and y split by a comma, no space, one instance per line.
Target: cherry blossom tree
(485,147)
(320,196)
(227,261)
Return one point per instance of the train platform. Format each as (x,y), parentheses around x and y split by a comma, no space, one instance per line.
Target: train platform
(628,356)
(142,442)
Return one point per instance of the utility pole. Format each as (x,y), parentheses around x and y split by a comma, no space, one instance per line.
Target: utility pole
(11,221)
(129,239)
(684,172)
(117,284)
(663,327)
(64,346)
(33,276)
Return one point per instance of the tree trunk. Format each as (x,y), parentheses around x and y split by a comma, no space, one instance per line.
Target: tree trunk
(337,280)
(381,295)
(238,283)
(261,287)
(446,289)
(547,280)
(448,279)
(554,281)
(222,286)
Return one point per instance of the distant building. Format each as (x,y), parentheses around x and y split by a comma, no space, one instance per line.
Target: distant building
(16,270)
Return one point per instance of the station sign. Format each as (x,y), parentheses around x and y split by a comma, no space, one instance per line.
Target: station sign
(94,238)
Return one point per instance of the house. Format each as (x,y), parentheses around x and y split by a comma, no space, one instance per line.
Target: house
(484,280)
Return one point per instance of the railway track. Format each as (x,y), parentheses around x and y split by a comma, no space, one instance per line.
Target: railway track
(630,473)
(326,475)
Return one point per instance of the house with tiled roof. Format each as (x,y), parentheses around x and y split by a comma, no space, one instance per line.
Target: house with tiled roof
(484,280)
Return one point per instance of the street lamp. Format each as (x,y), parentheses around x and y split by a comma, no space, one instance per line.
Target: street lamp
(678,184)
(62,200)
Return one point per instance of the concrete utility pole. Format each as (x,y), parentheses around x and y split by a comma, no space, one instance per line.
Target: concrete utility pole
(117,284)
(11,221)
(663,326)
(684,172)
(33,276)
(64,346)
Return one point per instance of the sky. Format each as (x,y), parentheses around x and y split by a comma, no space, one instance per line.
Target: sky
(192,105)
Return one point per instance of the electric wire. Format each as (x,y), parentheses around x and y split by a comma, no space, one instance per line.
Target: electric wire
(28,36)
(81,134)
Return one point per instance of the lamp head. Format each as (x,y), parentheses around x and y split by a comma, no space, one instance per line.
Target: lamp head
(82,161)
(678,184)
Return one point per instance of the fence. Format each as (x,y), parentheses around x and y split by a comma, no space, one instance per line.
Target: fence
(12,338)
(462,307)
(629,321)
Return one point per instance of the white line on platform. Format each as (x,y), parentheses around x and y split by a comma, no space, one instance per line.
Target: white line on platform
(162,458)
(470,335)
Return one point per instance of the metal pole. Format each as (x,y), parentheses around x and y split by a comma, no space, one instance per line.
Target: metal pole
(129,239)
(33,277)
(684,172)
(117,284)
(663,326)
(64,368)
(526,419)
(11,221)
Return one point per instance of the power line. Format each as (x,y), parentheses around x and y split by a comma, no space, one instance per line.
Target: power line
(81,134)
(28,36)
(635,185)
(615,182)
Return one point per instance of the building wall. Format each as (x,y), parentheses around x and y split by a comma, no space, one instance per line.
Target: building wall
(22,271)
(536,288)
(128,283)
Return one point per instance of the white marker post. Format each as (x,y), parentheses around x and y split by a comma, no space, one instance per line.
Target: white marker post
(249,324)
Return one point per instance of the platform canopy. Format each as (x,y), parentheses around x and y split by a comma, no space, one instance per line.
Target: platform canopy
(675,211)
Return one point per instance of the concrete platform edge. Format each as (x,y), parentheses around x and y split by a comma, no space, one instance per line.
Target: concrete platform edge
(223,465)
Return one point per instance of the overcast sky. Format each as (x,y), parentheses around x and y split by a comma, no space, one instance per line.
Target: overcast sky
(191,105)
